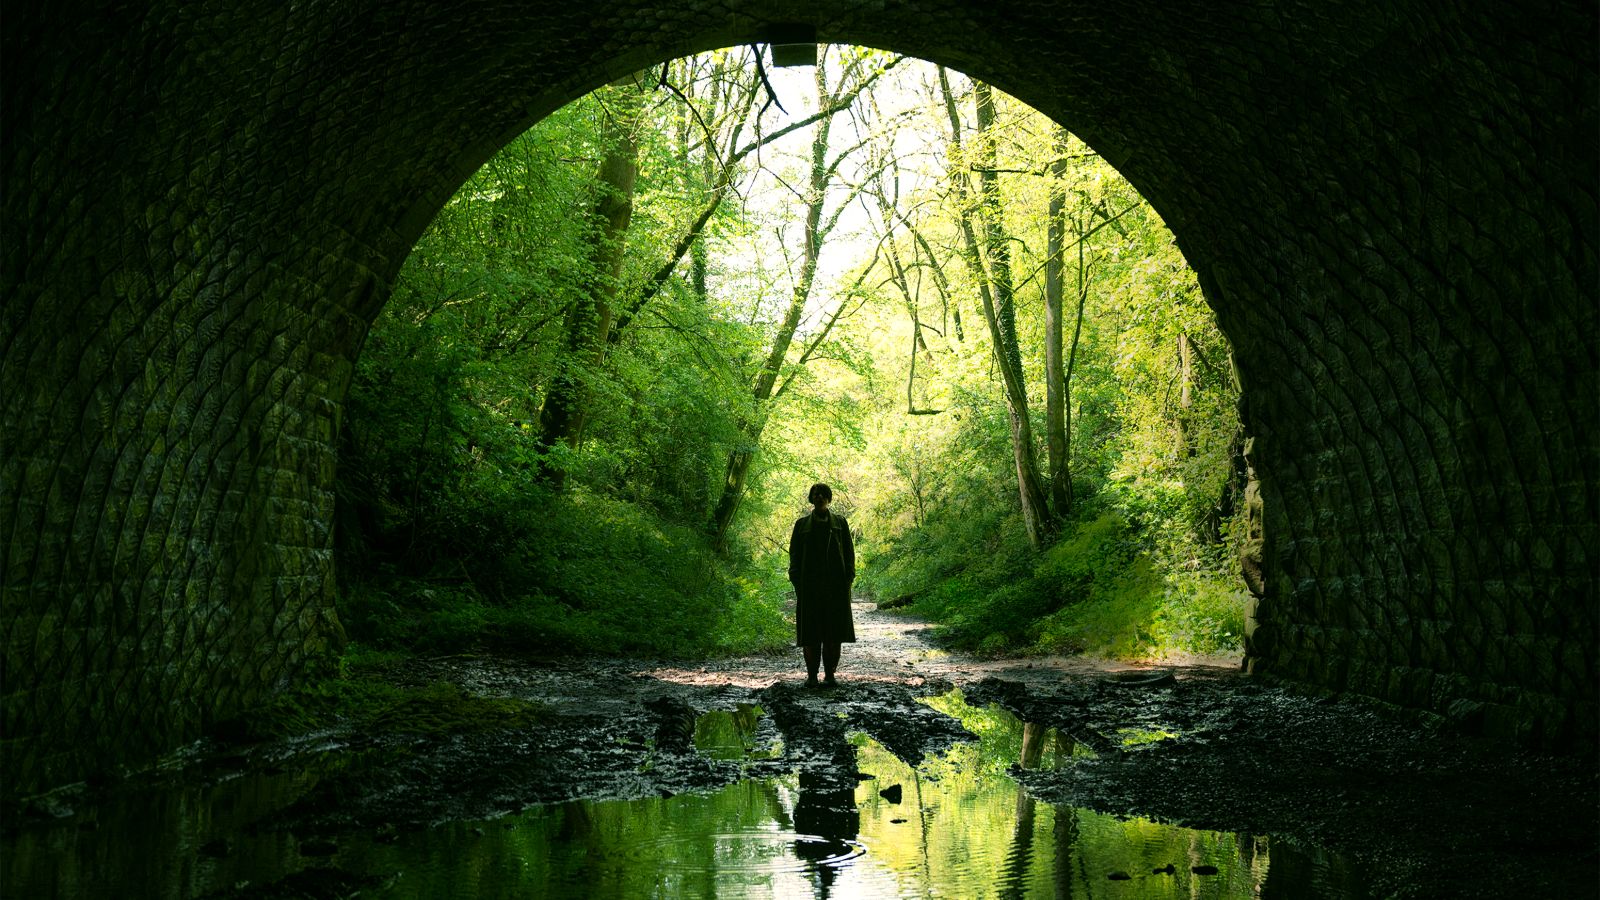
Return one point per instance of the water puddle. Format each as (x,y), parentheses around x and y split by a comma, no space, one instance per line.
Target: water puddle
(955,826)
(1130,738)
(736,734)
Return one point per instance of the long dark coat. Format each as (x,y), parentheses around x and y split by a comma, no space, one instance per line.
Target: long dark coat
(822,580)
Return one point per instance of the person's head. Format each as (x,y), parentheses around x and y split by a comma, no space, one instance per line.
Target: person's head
(820,496)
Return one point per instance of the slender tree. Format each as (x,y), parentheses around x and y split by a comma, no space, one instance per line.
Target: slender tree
(818,223)
(887,197)
(588,319)
(1057,437)
(722,172)
(990,264)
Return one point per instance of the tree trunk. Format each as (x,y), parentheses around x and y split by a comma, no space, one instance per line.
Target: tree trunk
(940,281)
(1186,447)
(733,483)
(1000,313)
(1072,352)
(1056,436)
(767,378)
(897,274)
(720,176)
(588,320)
(766,382)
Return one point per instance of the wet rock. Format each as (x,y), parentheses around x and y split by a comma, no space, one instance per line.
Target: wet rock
(1203,870)
(1119,876)
(891,794)
(906,728)
(674,724)
(1278,760)
(1142,679)
(1467,715)
(318,847)
(897,821)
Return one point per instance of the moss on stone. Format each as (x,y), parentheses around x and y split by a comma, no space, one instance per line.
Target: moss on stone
(362,700)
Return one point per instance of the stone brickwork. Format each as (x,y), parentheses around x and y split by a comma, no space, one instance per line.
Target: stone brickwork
(1392,208)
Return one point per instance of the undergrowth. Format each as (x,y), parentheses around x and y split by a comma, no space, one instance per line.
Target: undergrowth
(578,574)
(1096,590)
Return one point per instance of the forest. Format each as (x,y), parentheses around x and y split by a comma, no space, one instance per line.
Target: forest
(622,352)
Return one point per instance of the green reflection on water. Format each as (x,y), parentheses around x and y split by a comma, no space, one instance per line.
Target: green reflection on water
(957,831)
(968,831)
(731,734)
(958,826)
(1139,737)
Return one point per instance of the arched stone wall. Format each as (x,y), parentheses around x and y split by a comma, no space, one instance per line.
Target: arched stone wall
(1392,207)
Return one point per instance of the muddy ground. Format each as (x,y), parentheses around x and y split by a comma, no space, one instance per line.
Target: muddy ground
(1419,810)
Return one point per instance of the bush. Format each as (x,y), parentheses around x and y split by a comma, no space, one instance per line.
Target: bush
(1095,590)
(1115,616)
(1202,613)
(585,575)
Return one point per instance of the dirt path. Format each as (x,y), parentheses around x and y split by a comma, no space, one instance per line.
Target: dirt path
(890,651)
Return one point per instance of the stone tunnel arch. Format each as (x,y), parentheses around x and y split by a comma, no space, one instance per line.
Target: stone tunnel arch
(1392,208)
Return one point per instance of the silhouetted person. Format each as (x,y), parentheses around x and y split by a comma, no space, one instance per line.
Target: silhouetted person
(822,564)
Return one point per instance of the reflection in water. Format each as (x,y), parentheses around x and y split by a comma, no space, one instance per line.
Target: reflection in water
(731,734)
(1020,857)
(961,828)
(826,821)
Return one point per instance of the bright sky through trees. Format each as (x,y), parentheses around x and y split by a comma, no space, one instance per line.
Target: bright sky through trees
(613,364)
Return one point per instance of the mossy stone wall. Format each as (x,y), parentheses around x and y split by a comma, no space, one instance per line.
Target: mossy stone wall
(1391,205)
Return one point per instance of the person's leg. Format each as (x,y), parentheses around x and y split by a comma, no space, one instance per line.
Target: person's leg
(830,658)
(813,654)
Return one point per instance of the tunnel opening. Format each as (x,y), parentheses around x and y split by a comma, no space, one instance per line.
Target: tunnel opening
(662,261)
(1407,293)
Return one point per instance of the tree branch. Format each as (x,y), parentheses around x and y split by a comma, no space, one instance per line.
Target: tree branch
(811,348)
(772,95)
(1081,238)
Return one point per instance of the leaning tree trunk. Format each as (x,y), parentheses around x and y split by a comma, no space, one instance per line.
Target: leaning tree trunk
(740,458)
(1057,439)
(1000,313)
(733,483)
(1072,353)
(588,320)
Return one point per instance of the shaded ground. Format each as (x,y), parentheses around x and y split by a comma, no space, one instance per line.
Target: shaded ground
(1420,811)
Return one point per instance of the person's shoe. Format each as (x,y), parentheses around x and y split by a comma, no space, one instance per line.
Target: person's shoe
(828,681)
(811,681)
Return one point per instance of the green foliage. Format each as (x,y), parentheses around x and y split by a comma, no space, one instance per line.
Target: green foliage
(1201,613)
(585,575)
(1091,591)
(450,535)
(1144,562)
(1097,590)
(460,526)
